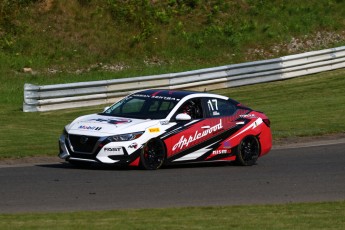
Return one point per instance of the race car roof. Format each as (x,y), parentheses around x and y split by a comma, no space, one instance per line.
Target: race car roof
(165,93)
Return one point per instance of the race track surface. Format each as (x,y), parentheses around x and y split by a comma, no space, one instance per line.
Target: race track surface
(304,174)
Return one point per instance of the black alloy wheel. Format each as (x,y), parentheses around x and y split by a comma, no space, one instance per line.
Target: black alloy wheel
(153,154)
(248,151)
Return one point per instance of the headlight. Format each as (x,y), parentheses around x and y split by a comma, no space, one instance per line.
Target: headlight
(125,137)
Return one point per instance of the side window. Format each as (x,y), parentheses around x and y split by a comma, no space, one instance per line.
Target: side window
(219,107)
(193,108)
(159,109)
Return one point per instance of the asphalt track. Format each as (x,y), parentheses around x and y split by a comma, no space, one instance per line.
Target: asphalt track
(285,175)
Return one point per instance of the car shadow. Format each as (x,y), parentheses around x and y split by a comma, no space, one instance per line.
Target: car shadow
(66,165)
(103,167)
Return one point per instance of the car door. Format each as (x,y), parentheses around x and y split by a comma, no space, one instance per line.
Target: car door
(196,139)
(221,113)
(185,141)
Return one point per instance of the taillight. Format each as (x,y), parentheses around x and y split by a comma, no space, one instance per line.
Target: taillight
(267,122)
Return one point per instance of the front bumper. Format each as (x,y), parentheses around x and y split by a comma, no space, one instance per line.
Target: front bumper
(102,152)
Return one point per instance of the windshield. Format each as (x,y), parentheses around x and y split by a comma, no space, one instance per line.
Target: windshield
(142,107)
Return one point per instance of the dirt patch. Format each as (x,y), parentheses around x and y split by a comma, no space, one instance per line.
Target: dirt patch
(30,160)
(291,141)
(45,5)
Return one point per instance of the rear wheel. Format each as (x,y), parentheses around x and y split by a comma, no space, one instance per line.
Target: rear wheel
(153,154)
(248,151)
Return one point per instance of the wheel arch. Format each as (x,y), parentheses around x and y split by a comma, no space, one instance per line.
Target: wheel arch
(239,158)
(143,158)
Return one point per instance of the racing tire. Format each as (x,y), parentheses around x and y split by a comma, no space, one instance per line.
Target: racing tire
(153,154)
(248,151)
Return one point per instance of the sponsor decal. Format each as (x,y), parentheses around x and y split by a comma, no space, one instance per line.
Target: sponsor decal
(155,96)
(165,98)
(119,121)
(219,152)
(154,130)
(116,149)
(249,116)
(140,95)
(133,146)
(113,121)
(87,127)
(184,142)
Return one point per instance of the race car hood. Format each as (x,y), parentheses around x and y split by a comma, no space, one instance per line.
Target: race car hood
(98,125)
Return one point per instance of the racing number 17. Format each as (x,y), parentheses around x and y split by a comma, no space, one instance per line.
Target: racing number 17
(212,105)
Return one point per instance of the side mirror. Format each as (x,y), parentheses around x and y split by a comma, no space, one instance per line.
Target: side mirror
(183,117)
(106,108)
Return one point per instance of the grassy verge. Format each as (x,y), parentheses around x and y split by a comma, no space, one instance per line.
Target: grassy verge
(307,106)
(311,105)
(291,216)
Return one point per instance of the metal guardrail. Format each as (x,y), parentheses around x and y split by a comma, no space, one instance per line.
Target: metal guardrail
(62,96)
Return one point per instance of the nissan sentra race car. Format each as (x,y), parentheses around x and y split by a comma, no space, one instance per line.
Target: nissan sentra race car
(152,128)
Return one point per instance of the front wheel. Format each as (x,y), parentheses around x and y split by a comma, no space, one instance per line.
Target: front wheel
(153,154)
(248,151)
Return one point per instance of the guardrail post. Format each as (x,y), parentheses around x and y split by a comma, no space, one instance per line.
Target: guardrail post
(30,98)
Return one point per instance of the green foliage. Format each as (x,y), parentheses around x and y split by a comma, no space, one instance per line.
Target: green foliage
(326,215)
(9,10)
(84,32)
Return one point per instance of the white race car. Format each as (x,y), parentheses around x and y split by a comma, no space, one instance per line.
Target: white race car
(155,127)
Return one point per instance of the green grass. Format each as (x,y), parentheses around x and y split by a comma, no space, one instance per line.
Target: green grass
(306,106)
(328,215)
(69,35)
